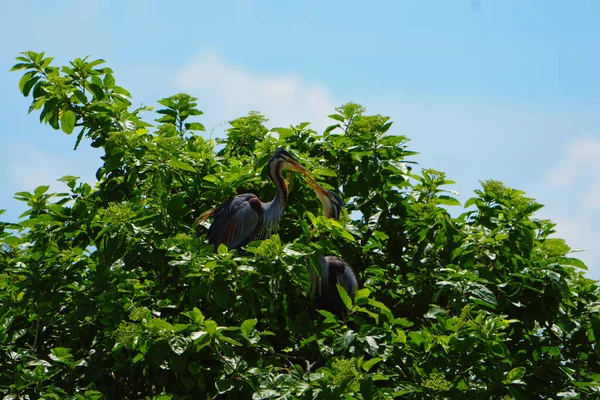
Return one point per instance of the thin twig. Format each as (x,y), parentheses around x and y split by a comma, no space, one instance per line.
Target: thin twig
(37,332)
(289,357)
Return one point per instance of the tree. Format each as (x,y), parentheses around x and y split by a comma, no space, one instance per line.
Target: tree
(112,291)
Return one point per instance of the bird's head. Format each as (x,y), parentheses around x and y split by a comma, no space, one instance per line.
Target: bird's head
(332,202)
(281,160)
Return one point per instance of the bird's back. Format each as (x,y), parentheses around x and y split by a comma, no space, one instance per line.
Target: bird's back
(235,222)
(335,271)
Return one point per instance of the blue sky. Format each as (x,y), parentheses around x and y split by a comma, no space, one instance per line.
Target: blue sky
(486,89)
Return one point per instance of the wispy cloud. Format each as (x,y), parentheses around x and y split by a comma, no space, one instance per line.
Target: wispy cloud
(578,172)
(228,91)
(580,163)
(27,166)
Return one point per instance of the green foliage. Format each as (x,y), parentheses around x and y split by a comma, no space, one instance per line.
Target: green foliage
(112,291)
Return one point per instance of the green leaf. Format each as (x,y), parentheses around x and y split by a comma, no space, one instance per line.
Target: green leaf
(68,121)
(331,128)
(96,62)
(337,117)
(175,163)
(179,344)
(40,190)
(486,295)
(20,66)
(137,358)
(120,90)
(23,196)
(344,341)
(23,81)
(471,201)
(222,250)
(403,322)
(400,336)
(362,294)
(515,374)
(109,81)
(574,262)
(224,385)
(367,365)
(30,85)
(324,172)
(248,326)
(162,324)
(344,296)
(194,126)
(371,346)
(447,200)
(96,91)
(229,340)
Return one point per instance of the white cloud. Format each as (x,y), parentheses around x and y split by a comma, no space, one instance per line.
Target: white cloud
(27,166)
(592,197)
(226,91)
(575,181)
(581,162)
(581,233)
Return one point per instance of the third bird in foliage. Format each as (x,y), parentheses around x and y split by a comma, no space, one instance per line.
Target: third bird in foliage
(334,270)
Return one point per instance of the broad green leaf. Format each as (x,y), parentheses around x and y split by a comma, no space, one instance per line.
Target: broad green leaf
(344,296)
(337,117)
(331,128)
(515,374)
(447,200)
(40,190)
(20,66)
(485,294)
(342,342)
(211,327)
(229,340)
(324,172)
(24,80)
(403,322)
(574,262)
(179,344)
(471,201)
(372,347)
(194,126)
(362,294)
(175,163)
(96,62)
(109,81)
(161,324)
(224,385)
(248,326)
(401,336)
(67,121)
(367,365)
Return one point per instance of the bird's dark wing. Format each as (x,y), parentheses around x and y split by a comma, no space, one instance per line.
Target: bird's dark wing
(236,222)
(317,284)
(345,275)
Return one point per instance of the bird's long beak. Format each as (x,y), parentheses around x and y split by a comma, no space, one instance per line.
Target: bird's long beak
(294,166)
(316,187)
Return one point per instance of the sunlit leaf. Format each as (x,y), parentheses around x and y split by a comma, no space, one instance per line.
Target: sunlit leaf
(67,121)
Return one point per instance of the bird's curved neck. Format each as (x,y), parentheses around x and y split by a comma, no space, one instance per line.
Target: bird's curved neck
(274,209)
(281,196)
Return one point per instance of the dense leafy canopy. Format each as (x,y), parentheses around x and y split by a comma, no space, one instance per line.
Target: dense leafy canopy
(112,291)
